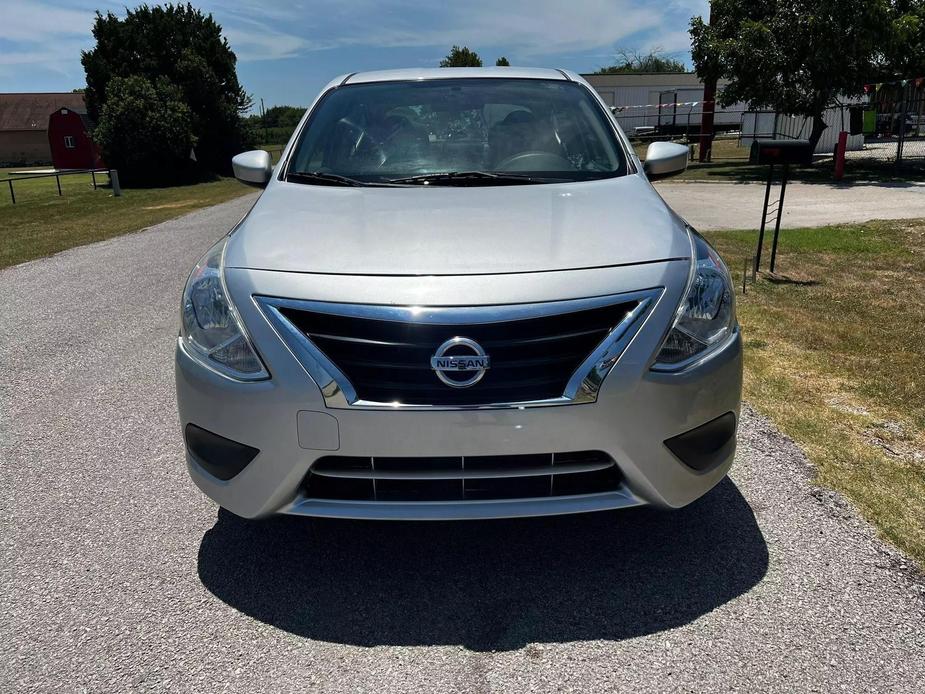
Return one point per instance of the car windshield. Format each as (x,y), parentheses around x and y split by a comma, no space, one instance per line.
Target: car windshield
(457,131)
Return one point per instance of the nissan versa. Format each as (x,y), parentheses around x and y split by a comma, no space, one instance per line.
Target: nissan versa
(458,296)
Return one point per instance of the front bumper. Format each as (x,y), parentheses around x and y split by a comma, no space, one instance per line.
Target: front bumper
(285,418)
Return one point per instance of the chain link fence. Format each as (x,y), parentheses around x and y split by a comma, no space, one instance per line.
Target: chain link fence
(892,123)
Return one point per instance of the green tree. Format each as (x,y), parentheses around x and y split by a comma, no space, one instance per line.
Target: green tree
(796,57)
(634,62)
(175,49)
(905,52)
(461,57)
(283,116)
(144,130)
(276,125)
(502,62)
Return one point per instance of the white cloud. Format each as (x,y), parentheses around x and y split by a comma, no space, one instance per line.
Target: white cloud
(46,37)
(26,57)
(51,33)
(257,41)
(670,42)
(35,22)
(254,45)
(526,27)
(691,8)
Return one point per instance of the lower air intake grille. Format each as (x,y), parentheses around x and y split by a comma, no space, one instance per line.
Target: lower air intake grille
(476,478)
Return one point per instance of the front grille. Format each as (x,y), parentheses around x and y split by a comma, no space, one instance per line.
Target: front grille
(388,361)
(477,478)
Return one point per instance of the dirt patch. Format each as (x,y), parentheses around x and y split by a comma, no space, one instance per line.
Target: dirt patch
(172,205)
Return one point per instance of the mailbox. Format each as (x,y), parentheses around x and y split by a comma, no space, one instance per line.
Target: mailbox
(785,153)
(781,152)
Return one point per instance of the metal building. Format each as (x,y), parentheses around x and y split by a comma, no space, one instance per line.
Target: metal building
(767,124)
(650,99)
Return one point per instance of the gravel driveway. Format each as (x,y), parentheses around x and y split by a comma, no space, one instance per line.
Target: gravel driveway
(738,206)
(118,575)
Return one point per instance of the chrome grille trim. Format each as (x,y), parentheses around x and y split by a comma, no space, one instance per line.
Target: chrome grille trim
(339,393)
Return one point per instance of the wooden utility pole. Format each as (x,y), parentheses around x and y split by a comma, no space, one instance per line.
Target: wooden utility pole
(706,118)
(263,117)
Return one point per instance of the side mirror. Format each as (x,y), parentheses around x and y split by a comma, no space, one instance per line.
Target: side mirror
(253,168)
(665,159)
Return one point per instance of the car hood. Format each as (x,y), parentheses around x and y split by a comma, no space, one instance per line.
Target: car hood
(441,230)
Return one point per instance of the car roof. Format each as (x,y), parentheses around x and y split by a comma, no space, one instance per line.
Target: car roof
(456,73)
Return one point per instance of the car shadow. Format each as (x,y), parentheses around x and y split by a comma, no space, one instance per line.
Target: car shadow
(487,585)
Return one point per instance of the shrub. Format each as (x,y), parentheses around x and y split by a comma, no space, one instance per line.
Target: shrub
(145,131)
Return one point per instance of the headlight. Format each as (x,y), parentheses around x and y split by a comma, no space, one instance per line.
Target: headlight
(211,331)
(706,316)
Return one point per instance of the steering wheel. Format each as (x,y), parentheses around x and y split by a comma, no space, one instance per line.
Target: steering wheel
(363,136)
(535,160)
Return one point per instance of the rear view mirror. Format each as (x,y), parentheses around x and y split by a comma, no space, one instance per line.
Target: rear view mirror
(665,159)
(253,168)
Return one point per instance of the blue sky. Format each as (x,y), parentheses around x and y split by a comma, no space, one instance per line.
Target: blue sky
(288,50)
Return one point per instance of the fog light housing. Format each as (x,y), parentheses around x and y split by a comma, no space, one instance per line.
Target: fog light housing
(220,457)
(705,447)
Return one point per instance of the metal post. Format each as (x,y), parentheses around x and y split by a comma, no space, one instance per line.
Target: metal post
(12,194)
(93,175)
(780,213)
(902,129)
(706,114)
(114,180)
(840,155)
(764,216)
(58,179)
(658,122)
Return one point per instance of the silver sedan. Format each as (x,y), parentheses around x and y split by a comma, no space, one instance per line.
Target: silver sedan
(458,296)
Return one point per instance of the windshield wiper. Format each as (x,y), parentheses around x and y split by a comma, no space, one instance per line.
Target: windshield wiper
(328,179)
(472,178)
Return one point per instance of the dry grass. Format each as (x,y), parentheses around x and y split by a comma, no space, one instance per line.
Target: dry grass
(834,352)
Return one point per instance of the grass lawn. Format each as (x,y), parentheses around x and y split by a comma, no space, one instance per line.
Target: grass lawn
(834,353)
(42,223)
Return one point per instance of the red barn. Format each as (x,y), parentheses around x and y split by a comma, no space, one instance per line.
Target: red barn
(24,125)
(69,138)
